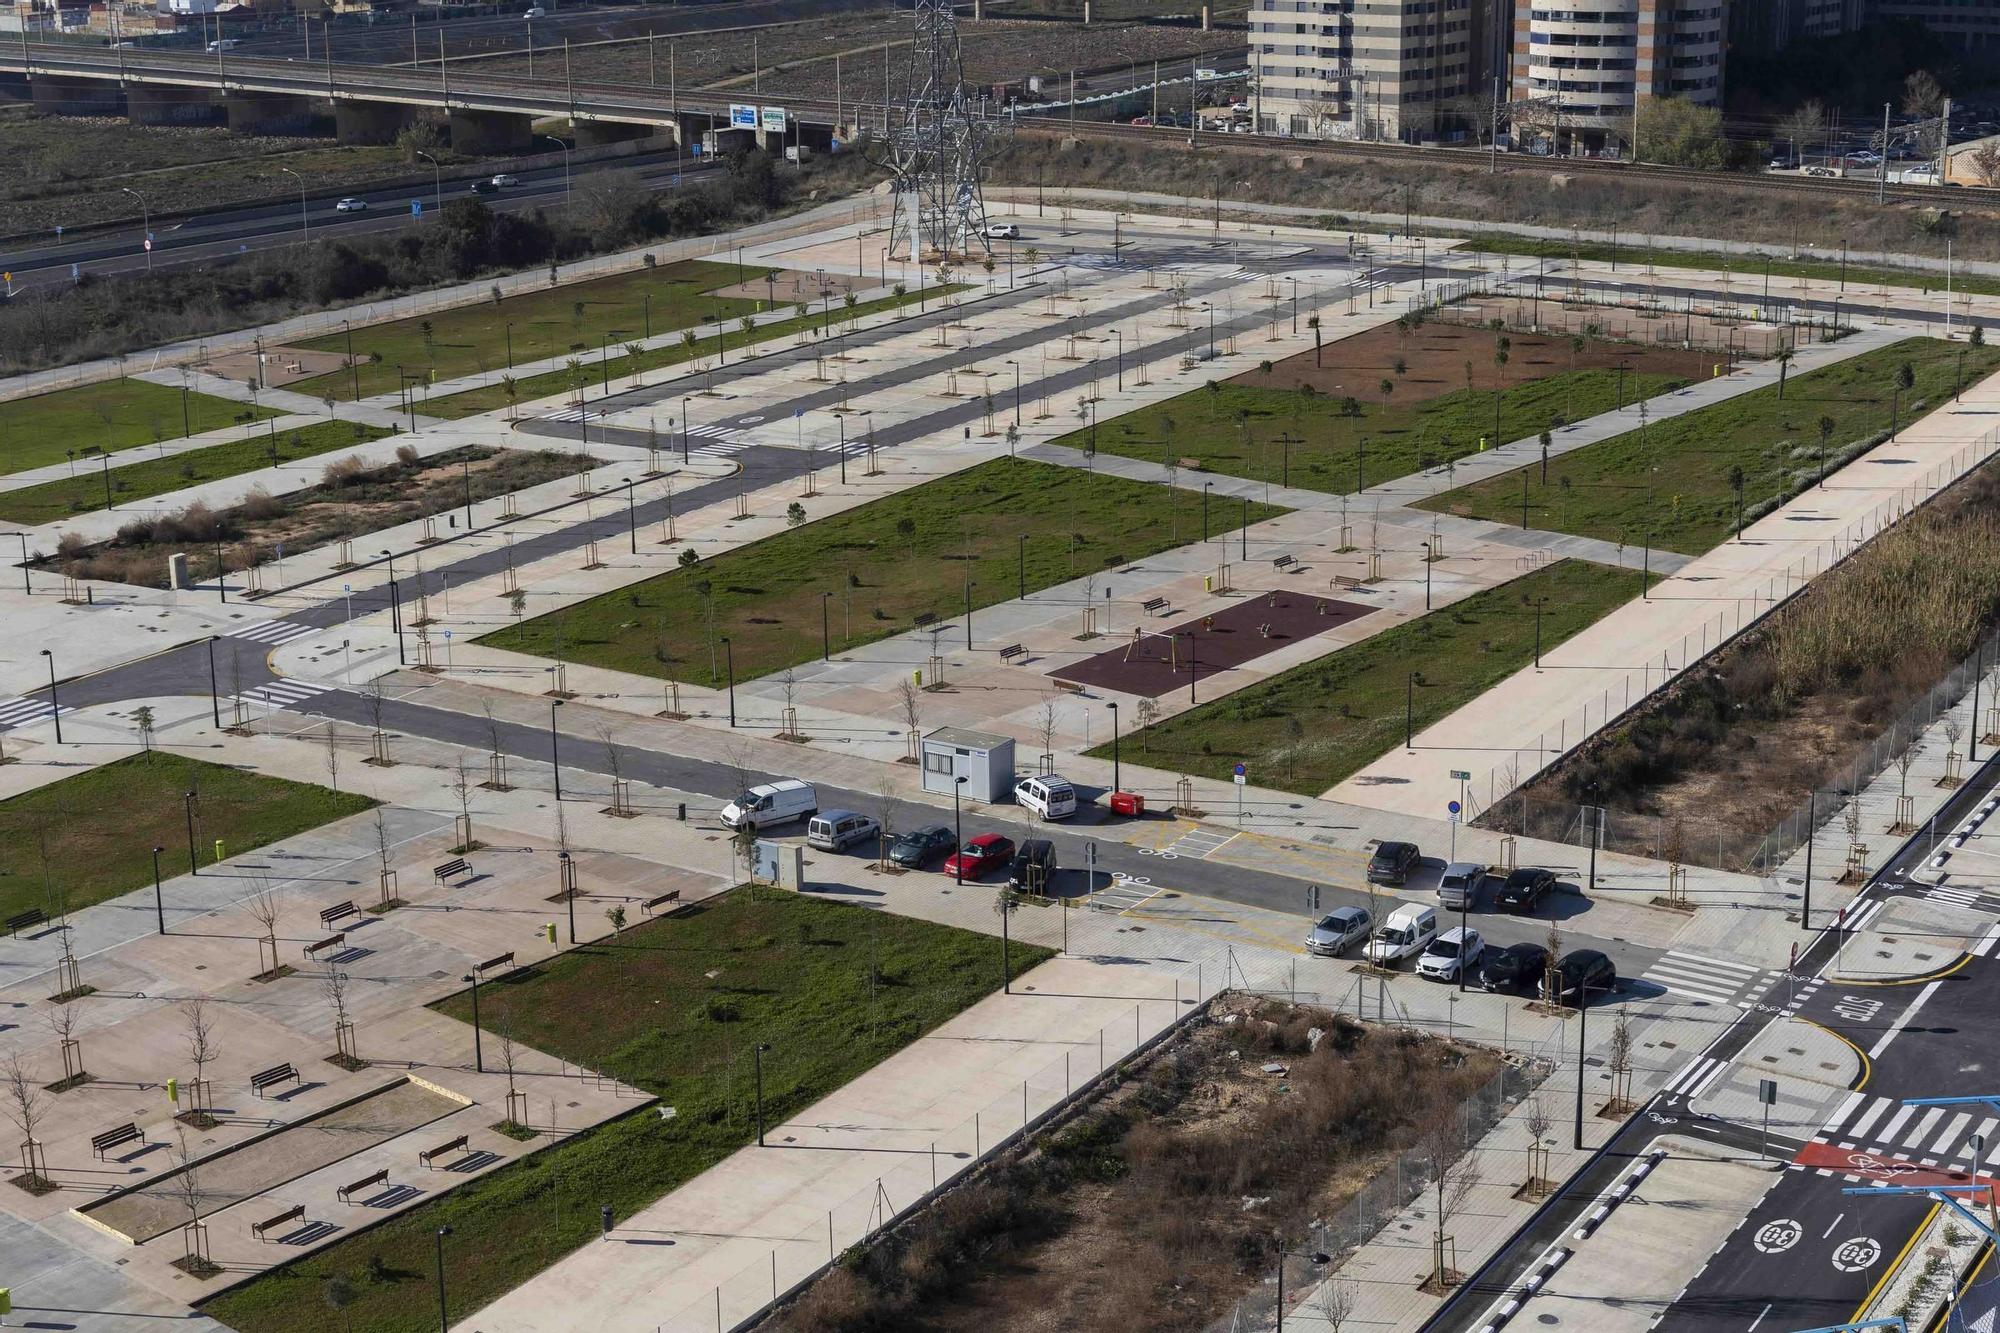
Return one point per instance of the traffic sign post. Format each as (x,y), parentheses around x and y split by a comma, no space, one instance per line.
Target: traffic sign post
(1453,808)
(1242,776)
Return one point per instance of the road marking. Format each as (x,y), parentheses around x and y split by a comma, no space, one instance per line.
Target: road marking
(1198,843)
(18,712)
(1860,1127)
(1903,1019)
(283,693)
(1707,981)
(1759,1319)
(271,631)
(1831,1225)
(1950,1134)
(1699,1088)
(1690,1074)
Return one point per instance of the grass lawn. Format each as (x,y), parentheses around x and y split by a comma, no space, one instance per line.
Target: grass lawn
(104,418)
(573,317)
(90,838)
(595,372)
(884,562)
(1324,721)
(1236,429)
(84,492)
(674,1006)
(1637,257)
(1669,483)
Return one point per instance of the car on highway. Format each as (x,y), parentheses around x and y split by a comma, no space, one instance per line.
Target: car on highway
(1002,231)
(1577,974)
(223,44)
(988,851)
(504,181)
(351,205)
(1524,889)
(1459,947)
(1821,172)
(1392,862)
(920,846)
(485,187)
(536,12)
(1338,931)
(1518,967)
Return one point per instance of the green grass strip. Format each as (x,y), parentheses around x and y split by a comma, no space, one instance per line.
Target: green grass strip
(1320,723)
(1857,278)
(104,418)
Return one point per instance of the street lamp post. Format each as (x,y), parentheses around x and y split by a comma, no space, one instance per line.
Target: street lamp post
(444,1319)
(478,1053)
(1410,711)
(685,423)
(187,804)
(214,690)
(1582,1045)
(159,904)
(1021,564)
(1430,557)
(1317,1260)
(631,517)
(565,152)
(555,754)
(566,874)
(145,222)
(1206,487)
(305,224)
(825,640)
(55,705)
(1116,784)
(970,584)
(729,657)
(437,180)
(757,1057)
(958,832)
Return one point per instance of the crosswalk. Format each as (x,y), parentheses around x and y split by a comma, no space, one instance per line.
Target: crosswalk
(1196,844)
(283,693)
(1700,980)
(16,711)
(271,631)
(1693,1080)
(1124,893)
(1926,1136)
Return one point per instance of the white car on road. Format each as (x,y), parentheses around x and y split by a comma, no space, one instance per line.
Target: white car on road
(1002,231)
(351,205)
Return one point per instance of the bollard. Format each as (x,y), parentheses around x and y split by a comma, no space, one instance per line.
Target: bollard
(604,1219)
(682,811)
(549,930)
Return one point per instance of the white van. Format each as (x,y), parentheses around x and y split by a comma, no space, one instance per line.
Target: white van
(1458,886)
(1404,933)
(1050,797)
(778,802)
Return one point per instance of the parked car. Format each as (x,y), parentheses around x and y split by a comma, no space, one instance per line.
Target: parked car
(771,804)
(920,846)
(1524,889)
(1458,886)
(1579,973)
(1404,933)
(837,830)
(1518,967)
(1338,931)
(1459,947)
(1034,866)
(1049,797)
(351,205)
(1392,862)
(988,851)
(1002,231)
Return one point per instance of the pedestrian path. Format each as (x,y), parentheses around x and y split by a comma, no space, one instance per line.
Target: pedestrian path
(283,693)
(1703,981)
(271,631)
(16,711)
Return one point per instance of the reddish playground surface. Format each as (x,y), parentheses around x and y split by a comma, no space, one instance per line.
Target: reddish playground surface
(1261,623)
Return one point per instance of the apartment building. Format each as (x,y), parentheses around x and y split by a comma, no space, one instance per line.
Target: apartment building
(1372,69)
(1970,23)
(1581,67)
(1771,25)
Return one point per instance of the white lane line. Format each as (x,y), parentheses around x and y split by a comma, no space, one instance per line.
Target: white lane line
(1903,1019)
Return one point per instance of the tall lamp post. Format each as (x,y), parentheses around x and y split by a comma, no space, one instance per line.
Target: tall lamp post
(437,180)
(145,222)
(305,225)
(555,754)
(1315,1258)
(478,1055)
(444,1319)
(729,657)
(757,1057)
(159,906)
(566,876)
(565,152)
(187,804)
(957,833)
(55,705)
(1430,558)
(1116,785)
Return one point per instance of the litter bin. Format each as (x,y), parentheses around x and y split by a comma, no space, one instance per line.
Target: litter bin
(1127,803)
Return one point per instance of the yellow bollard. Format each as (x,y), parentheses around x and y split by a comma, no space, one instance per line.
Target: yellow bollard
(550,931)
(174,1091)
(218,849)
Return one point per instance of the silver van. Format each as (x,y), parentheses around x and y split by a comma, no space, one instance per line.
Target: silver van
(837,830)
(1458,886)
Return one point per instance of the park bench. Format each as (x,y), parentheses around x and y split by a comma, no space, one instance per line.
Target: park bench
(34,916)
(925,618)
(295,1213)
(1284,562)
(329,915)
(1347,582)
(671,896)
(1154,606)
(339,941)
(347,1192)
(264,1078)
(1012,651)
(1069,686)
(112,1138)
(451,869)
(451,1145)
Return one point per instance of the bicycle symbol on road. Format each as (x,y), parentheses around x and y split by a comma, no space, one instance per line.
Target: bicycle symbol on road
(1777,1237)
(1862,1161)
(1857,1255)
(1659,1119)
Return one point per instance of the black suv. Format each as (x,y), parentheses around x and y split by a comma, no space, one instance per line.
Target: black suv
(1524,889)
(1034,866)
(1518,967)
(1578,974)
(1392,862)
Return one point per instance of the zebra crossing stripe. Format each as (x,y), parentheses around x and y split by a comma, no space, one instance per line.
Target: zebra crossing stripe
(271,631)
(283,693)
(16,712)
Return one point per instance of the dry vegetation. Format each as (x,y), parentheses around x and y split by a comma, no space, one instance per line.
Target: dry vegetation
(351,498)
(1163,1195)
(1732,749)
(1440,185)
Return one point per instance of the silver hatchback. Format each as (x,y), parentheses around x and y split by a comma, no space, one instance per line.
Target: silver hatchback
(1338,931)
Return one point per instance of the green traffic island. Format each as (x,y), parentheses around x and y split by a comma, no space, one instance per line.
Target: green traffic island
(90,421)
(96,488)
(59,852)
(596,368)
(1408,397)
(1686,483)
(1308,729)
(351,500)
(677,1007)
(987,534)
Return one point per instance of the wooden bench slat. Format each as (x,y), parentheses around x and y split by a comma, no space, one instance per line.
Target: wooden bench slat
(461,866)
(354,1187)
(112,1138)
(452,1145)
(296,1212)
(34,916)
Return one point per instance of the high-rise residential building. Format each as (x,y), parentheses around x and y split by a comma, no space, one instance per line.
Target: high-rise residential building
(1768,26)
(1581,67)
(1969,23)
(1371,69)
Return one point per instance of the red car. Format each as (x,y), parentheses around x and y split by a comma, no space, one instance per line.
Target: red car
(988,851)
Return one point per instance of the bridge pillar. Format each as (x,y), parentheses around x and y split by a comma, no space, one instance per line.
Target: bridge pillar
(598,133)
(167,104)
(270,113)
(14,88)
(490,132)
(370,122)
(58,96)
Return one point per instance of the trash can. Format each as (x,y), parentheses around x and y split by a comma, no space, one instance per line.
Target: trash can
(1127,803)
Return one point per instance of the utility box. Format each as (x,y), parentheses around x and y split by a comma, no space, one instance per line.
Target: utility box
(177,570)
(984,760)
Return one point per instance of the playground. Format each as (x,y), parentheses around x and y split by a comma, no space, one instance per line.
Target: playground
(1156,662)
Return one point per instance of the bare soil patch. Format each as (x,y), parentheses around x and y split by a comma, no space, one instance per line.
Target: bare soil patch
(1440,358)
(1165,1193)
